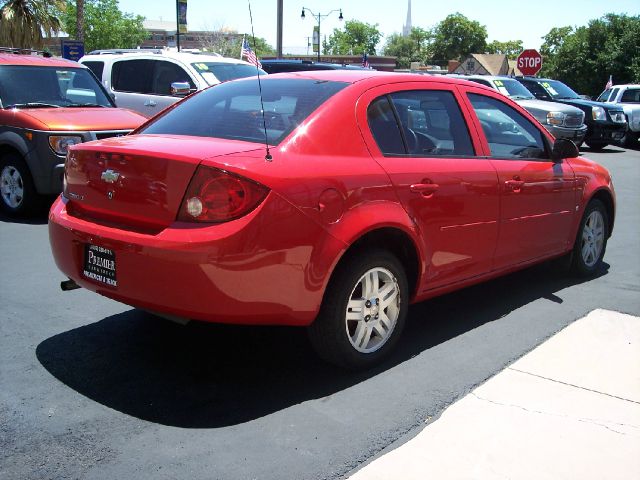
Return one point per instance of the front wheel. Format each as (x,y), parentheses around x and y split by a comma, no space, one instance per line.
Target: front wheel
(18,196)
(363,311)
(591,241)
(596,145)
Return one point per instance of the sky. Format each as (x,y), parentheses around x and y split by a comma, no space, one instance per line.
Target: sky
(504,19)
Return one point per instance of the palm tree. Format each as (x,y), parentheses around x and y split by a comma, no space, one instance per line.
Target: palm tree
(80,20)
(25,23)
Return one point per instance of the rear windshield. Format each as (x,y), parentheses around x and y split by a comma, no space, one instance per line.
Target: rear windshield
(232,110)
(214,73)
(33,87)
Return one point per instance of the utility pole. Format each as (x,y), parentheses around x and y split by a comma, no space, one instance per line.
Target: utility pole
(279,34)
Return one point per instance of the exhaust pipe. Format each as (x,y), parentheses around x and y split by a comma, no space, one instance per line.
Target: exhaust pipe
(68,285)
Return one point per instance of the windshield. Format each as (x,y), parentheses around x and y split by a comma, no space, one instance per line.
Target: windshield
(558,90)
(513,89)
(214,73)
(604,96)
(24,86)
(232,110)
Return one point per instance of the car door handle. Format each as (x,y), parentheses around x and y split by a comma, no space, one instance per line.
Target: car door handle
(514,185)
(425,189)
(150,103)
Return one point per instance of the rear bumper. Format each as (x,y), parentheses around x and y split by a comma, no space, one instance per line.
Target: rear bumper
(247,271)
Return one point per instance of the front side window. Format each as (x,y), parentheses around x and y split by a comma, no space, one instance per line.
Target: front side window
(509,134)
(233,110)
(32,87)
(164,74)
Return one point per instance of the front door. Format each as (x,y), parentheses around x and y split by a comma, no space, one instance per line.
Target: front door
(537,195)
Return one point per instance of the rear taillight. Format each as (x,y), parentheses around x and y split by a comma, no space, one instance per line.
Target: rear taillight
(215,196)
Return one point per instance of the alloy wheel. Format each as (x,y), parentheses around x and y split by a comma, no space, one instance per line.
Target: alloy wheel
(372,310)
(592,238)
(11,186)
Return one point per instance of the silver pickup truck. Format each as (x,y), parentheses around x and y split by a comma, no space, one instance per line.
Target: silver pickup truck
(562,121)
(628,97)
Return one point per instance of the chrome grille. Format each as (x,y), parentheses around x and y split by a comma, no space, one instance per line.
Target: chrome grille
(574,119)
(108,134)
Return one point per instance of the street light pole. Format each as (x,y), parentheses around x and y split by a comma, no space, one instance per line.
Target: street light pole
(319,18)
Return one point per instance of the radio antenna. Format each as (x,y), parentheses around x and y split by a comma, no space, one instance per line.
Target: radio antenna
(268,156)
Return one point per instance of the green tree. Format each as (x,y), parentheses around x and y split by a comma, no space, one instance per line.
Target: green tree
(456,36)
(25,23)
(105,25)
(511,49)
(585,57)
(355,38)
(412,48)
(229,44)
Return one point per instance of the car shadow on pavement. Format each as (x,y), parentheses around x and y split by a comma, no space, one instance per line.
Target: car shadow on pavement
(207,376)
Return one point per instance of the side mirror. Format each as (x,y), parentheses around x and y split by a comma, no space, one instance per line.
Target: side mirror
(564,148)
(180,89)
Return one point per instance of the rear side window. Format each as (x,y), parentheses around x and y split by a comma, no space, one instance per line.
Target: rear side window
(631,95)
(96,67)
(384,127)
(134,76)
(431,124)
(232,110)
(509,134)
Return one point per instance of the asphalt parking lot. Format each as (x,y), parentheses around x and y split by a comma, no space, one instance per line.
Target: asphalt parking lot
(90,388)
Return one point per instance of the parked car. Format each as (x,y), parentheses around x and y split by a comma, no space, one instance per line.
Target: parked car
(606,123)
(562,121)
(46,105)
(285,65)
(356,194)
(148,81)
(628,97)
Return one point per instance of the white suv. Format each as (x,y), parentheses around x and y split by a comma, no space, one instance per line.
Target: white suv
(141,80)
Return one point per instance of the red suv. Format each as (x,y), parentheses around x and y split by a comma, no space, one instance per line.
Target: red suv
(46,105)
(326,199)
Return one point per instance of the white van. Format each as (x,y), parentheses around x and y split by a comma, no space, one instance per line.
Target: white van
(141,79)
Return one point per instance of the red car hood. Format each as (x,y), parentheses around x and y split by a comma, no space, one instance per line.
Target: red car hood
(84,119)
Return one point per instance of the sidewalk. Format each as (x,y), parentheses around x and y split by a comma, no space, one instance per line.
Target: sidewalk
(570,409)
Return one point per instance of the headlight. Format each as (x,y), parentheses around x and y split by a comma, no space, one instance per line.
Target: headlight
(61,143)
(555,118)
(598,113)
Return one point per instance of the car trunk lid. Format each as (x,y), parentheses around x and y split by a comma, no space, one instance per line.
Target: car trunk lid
(137,182)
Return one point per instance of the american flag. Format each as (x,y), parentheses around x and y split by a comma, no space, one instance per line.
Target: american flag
(609,83)
(249,54)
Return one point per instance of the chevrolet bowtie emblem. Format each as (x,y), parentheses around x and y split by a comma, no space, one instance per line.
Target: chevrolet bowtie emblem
(109,176)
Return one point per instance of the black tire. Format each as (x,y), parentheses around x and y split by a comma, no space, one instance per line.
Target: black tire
(596,145)
(585,261)
(334,337)
(18,196)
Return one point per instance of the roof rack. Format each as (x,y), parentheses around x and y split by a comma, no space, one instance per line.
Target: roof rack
(117,51)
(24,51)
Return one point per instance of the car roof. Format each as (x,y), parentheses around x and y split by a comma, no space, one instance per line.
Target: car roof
(36,61)
(187,57)
(484,77)
(370,76)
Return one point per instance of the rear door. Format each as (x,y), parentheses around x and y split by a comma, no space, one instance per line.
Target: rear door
(420,137)
(537,195)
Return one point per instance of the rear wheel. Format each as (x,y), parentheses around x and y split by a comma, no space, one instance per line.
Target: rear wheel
(591,241)
(363,312)
(18,196)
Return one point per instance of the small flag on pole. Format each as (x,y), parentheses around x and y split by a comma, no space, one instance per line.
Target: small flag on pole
(609,83)
(249,54)
(365,61)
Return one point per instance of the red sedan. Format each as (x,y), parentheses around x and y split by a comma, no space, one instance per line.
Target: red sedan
(330,200)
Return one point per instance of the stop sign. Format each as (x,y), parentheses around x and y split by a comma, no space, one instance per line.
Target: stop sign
(529,62)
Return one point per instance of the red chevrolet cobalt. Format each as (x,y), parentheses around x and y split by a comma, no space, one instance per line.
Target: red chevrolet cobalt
(330,200)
